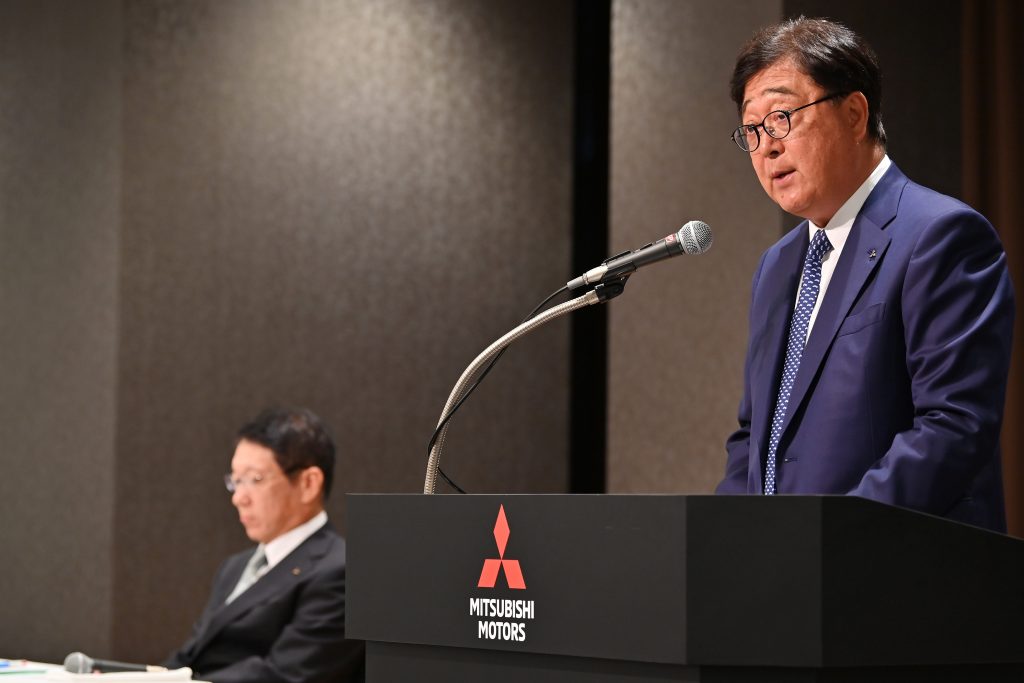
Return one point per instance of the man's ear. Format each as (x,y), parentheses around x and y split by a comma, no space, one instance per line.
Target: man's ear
(855,112)
(311,481)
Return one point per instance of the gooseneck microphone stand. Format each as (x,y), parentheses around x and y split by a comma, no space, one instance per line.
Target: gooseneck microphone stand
(600,294)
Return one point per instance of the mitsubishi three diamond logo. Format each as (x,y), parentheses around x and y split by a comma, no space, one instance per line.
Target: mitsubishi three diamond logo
(513,572)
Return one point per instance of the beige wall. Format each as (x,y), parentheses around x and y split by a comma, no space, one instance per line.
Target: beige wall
(677,336)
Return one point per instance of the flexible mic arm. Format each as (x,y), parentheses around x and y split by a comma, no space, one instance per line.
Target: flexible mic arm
(600,294)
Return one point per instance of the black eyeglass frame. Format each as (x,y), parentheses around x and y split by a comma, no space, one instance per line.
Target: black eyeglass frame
(738,134)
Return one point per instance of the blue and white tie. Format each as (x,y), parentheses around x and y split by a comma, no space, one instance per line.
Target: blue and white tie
(795,348)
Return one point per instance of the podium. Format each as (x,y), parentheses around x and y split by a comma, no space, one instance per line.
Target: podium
(629,588)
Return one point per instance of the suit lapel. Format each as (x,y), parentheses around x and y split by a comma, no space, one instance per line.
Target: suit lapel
(862,253)
(781,279)
(281,578)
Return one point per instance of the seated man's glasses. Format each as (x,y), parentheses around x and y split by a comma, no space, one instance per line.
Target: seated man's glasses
(253,480)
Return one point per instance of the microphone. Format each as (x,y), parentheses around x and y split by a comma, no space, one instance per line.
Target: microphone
(78,663)
(692,239)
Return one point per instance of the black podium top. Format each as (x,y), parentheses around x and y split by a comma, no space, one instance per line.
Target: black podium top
(795,581)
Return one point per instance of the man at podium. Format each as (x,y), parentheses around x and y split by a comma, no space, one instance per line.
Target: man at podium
(277,611)
(880,327)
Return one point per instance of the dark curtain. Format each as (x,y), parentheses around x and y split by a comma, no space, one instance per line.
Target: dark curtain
(993,183)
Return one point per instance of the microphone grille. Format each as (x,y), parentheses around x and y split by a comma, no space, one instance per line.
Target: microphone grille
(695,237)
(78,663)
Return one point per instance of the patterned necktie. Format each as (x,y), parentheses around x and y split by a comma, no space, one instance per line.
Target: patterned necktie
(253,570)
(795,348)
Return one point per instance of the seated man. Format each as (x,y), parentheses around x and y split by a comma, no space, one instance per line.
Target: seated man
(277,612)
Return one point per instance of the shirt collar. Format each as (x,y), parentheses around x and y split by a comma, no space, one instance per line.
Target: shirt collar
(283,545)
(839,227)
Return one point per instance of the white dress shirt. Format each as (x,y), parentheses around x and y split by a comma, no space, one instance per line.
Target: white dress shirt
(837,230)
(283,545)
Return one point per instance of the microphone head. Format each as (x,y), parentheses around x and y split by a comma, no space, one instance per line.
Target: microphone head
(695,237)
(78,663)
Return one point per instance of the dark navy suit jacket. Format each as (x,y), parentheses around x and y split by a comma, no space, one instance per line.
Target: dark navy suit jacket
(287,627)
(899,396)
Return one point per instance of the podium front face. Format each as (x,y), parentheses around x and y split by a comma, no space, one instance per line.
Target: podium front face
(637,588)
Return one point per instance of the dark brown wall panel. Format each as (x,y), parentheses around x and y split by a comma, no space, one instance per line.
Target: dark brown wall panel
(678,334)
(59,206)
(338,205)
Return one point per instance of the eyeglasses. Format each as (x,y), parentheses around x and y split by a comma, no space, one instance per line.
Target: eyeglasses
(251,481)
(776,124)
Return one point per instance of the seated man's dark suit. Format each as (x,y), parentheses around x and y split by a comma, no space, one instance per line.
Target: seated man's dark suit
(287,627)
